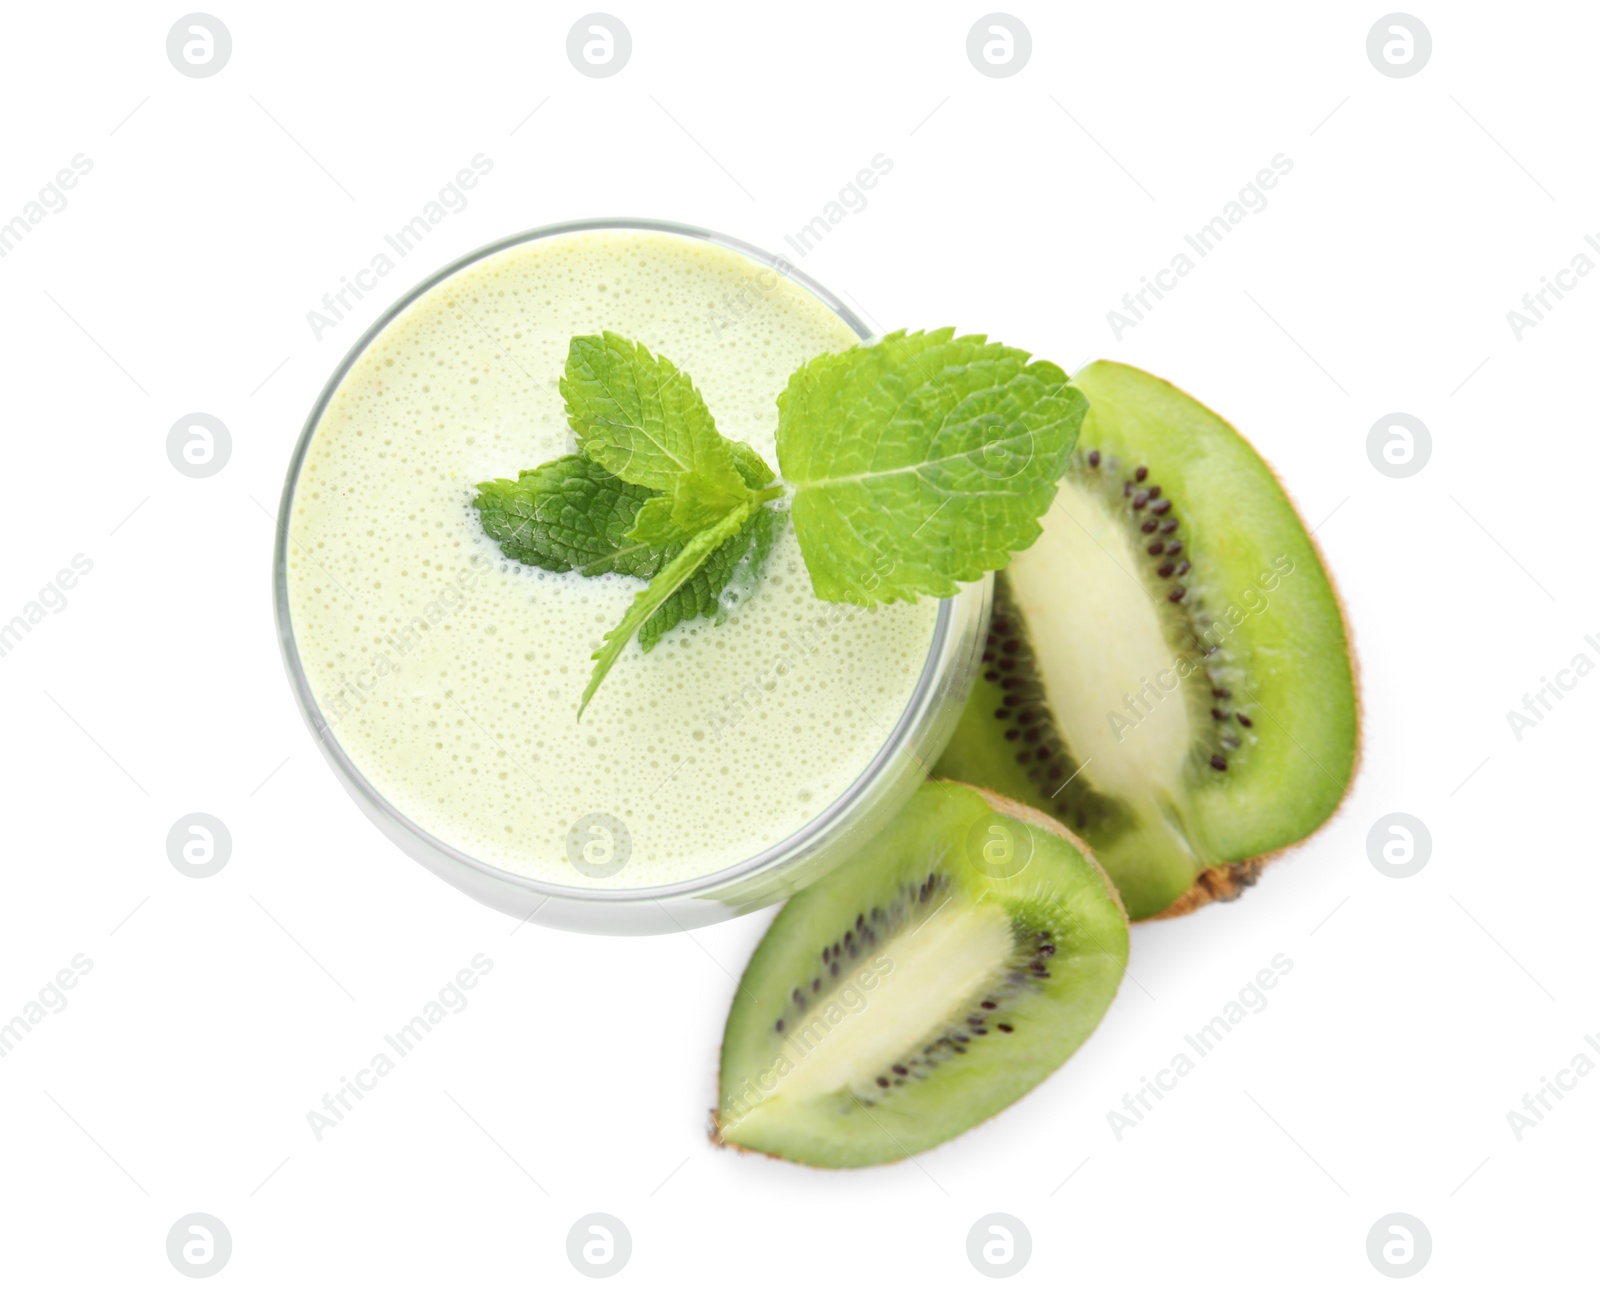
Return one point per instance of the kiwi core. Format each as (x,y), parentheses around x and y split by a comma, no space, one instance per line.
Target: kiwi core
(1106,644)
(936,972)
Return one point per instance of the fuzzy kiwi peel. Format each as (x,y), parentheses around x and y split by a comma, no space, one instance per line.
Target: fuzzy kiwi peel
(922,987)
(1168,669)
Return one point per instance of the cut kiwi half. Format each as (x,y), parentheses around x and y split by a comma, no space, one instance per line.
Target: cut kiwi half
(926,984)
(1168,670)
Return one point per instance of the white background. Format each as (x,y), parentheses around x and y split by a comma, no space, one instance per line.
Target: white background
(578,1079)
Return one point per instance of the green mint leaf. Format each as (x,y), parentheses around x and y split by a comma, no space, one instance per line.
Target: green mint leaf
(921,461)
(694,509)
(640,417)
(654,525)
(727,579)
(756,473)
(570,514)
(672,577)
(764,527)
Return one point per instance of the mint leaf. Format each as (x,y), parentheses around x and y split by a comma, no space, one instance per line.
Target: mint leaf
(673,576)
(728,577)
(921,461)
(655,526)
(756,473)
(732,572)
(570,514)
(764,527)
(639,416)
(918,462)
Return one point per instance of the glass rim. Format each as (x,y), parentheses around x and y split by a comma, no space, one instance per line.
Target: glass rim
(830,820)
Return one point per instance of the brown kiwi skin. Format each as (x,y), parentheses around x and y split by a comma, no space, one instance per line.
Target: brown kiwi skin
(1000,804)
(1217,884)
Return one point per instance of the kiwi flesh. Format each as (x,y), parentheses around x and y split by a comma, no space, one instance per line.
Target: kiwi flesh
(923,986)
(1168,670)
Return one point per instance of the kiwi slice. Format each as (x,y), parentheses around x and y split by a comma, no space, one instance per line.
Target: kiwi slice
(921,987)
(1168,670)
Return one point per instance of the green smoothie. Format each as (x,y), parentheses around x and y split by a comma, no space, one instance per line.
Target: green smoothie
(451,676)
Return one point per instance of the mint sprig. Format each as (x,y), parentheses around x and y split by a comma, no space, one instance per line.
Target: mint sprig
(917,462)
(572,514)
(648,601)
